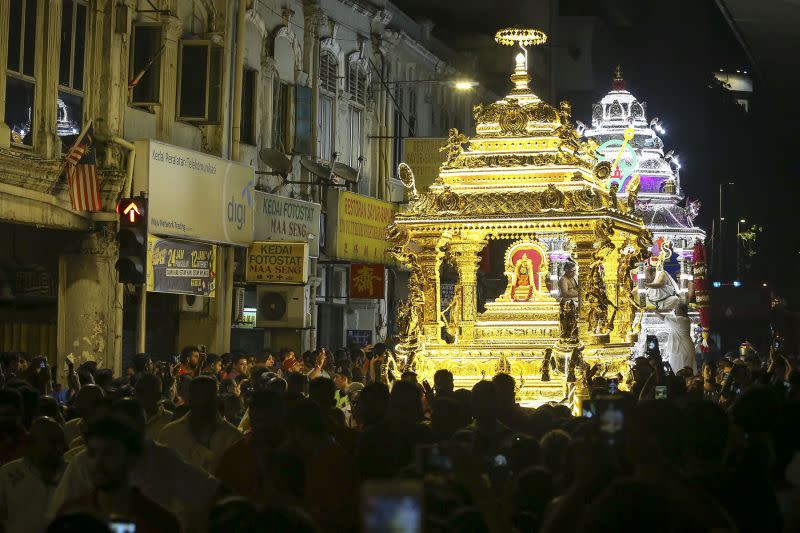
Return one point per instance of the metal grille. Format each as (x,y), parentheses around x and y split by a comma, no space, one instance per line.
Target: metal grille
(328,70)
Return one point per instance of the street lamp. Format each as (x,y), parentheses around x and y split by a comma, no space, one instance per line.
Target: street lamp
(463,84)
(739,246)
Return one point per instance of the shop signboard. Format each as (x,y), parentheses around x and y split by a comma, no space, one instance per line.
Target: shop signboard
(288,220)
(181,267)
(277,262)
(359,337)
(357,228)
(425,157)
(367,281)
(193,195)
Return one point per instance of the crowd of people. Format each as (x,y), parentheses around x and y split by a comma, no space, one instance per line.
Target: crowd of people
(340,442)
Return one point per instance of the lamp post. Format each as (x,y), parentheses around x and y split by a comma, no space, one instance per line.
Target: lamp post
(739,247)
(721,232)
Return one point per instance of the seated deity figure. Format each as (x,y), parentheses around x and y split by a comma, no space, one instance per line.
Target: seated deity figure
(522,289)
(661,290)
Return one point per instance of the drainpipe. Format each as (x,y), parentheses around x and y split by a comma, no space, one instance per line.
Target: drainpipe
(126,189)
(236,121)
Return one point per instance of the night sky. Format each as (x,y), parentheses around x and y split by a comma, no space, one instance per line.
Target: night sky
(669,51)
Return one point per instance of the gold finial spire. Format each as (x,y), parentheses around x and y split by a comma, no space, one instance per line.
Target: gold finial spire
(522,37)
(619,82)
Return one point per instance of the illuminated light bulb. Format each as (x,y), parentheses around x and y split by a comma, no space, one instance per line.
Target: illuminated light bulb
(465,85)
(520,59)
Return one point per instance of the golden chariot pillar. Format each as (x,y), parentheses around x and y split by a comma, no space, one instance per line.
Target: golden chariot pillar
(466,257)
(530,187)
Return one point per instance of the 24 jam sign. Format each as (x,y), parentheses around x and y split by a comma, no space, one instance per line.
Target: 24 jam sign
(366,281)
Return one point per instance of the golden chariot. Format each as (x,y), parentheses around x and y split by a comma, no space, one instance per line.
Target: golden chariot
(528,177)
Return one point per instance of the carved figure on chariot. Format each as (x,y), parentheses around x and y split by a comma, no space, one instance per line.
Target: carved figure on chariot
(525,205)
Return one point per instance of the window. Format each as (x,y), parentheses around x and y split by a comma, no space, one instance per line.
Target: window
(248,130)
(328,72)
(325,125)
(70,68)
(280,115)
(412,112)
(357,82)
(200,82)
(146,47)
(20,78)
(356,126)
(303,121)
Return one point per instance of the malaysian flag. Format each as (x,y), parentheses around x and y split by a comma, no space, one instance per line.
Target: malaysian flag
(84,191)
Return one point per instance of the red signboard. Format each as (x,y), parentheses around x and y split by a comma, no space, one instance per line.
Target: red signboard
(366,281)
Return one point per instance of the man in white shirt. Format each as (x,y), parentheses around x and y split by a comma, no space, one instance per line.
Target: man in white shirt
(85,403)
(161,474)
(27,485)
(202,435)
(148,392)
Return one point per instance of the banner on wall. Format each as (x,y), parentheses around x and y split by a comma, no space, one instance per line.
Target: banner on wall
(357,228)
(367,281)
(286,219)
(194,195)
(277,262)
(181,267)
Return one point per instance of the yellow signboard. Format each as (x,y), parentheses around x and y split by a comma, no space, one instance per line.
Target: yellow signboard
(424,156)
(358,227)
(277,262)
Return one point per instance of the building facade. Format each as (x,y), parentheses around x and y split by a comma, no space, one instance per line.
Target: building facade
(334,83)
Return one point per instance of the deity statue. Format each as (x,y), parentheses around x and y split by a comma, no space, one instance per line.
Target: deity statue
(691,210)
(522,287)
(568,304)
(416,296)
(612,191)
(453,311)
(548,356)
(633,192)
(662,290)
(626,303)
(454,147)
(598,299)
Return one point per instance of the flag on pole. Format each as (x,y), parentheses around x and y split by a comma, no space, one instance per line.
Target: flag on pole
(84,191)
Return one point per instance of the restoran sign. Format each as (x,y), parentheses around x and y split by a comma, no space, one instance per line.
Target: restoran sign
(277,262)
(357,227)
(195,195)
(288,220)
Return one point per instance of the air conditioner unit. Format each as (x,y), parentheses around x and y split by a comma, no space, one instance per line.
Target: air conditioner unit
(282,306)
(192,304)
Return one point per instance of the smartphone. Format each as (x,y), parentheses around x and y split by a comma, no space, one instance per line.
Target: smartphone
(42,364)
(613,386)
(588,409)
(122,527)
(661,392)
(431,459)
(394,506)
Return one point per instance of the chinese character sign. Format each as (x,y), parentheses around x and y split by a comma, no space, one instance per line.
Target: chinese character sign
(366,281)
(359,228)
